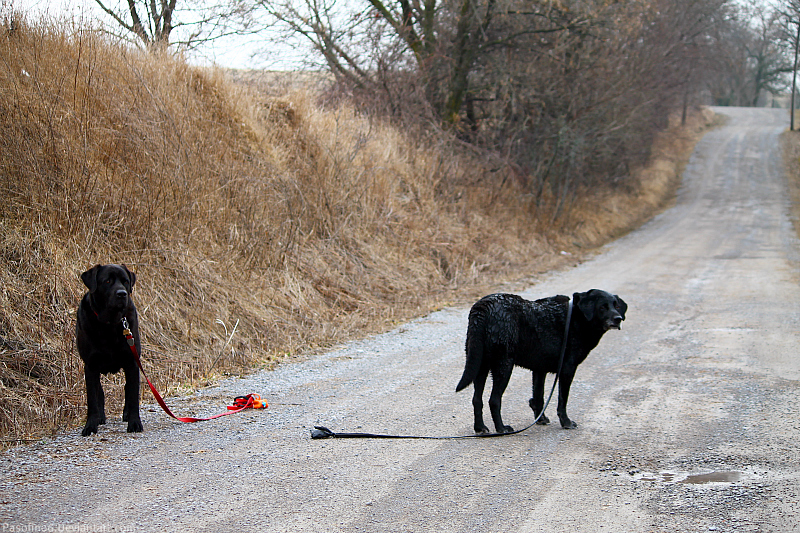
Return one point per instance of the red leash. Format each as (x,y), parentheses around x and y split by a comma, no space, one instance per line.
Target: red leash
(240,403)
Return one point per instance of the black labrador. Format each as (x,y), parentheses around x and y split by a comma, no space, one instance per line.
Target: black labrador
(506,330)
(102,345)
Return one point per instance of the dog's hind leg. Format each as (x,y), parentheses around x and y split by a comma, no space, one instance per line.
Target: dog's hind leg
(537,398)
(501,375)
(477,399)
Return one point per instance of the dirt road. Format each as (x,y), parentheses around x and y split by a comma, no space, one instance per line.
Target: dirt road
(688,417)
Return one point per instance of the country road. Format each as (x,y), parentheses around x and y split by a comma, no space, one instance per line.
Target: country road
(687,417)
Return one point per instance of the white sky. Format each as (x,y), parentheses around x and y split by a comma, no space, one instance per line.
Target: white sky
(247,51)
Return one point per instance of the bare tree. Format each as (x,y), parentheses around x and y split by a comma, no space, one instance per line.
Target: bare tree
(768,57)
(438,42)
(569,94)
(752,54)
(154,22)
(790,36)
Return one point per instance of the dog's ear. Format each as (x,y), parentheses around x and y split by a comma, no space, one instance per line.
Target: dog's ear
(586,305)
(132,276)
(621,306)
(90,278)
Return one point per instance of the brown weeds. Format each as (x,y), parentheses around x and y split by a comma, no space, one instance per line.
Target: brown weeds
(258,226)
(790,144)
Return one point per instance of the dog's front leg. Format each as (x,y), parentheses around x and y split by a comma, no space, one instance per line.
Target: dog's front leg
(565,381)
(537,398)
(95,402)
(130,412)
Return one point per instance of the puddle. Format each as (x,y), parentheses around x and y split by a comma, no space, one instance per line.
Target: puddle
(713,477)
(692,479)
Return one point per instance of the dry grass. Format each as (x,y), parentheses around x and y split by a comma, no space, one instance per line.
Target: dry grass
(258,226)
(790,143)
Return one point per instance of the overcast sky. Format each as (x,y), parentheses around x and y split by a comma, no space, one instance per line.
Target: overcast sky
(232,52)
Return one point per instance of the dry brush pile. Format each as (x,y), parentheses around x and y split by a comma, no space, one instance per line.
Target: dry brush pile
(258,226)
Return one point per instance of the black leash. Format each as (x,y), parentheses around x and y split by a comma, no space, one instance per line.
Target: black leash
(321,432)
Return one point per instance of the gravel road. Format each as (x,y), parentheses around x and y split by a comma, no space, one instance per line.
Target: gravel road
(688,417)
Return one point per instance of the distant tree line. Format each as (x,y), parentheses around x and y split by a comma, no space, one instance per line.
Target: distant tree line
(566,93)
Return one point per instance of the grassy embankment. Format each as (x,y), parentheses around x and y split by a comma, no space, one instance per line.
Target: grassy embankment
(258,223)
(790,144)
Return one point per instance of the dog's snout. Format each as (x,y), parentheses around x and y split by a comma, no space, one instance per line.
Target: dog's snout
(122,294)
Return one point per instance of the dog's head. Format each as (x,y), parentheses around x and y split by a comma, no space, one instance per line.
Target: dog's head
(603,309)
(110,288)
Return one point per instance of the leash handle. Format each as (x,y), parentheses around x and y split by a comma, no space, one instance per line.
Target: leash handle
(132,343)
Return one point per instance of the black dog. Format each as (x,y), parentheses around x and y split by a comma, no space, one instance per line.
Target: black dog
(505,330)
(102,345)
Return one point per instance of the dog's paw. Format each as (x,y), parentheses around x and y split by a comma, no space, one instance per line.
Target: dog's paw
(568,424)
(481,430)
(540,420)
(135,426)
(505,429)
(89,429)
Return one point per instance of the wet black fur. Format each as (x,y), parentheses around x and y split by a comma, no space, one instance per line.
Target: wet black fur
(506,330)
(102,345)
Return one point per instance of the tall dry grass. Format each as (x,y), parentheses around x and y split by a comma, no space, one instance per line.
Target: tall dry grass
(258,226)
(790,148)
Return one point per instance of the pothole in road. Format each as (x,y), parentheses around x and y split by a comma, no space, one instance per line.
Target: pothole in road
(713,477)
(722,476)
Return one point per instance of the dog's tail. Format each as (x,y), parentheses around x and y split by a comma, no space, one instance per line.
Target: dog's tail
(474,348)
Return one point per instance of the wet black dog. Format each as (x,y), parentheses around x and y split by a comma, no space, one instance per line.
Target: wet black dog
(505,330)
(102,345)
